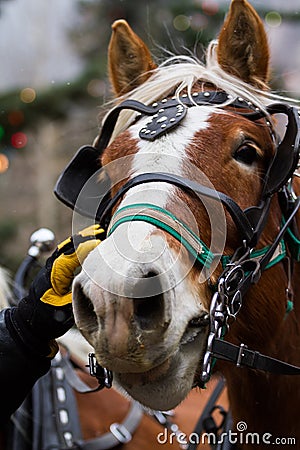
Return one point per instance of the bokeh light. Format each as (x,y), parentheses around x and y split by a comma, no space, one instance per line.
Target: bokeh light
(198,22)
(210,7)
(19,140)
(4,163)
(273,19)
(181,22)
(28,95)
(96,88)
(15,118)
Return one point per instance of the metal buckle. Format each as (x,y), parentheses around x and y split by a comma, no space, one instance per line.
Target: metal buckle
(120,432)
(103,375)
(240,355)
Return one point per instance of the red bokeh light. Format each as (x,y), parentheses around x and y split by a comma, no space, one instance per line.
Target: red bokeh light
(19,140)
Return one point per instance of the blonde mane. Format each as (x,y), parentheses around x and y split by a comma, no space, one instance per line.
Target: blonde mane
(181,73)
(4,288)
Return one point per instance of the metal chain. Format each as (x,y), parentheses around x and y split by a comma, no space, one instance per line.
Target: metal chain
(225,305)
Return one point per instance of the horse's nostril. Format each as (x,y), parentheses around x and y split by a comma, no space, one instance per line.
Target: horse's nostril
(84,310)
(148,300)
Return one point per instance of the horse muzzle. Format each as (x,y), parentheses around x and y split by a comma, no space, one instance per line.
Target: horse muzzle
(124,313)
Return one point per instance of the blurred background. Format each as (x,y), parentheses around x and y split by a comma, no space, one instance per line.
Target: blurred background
(53,83)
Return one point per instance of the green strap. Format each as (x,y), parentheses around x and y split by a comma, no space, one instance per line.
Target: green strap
(279,254)
(204,256)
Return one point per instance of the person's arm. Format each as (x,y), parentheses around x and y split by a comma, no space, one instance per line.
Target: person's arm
(19,370)
(28,331)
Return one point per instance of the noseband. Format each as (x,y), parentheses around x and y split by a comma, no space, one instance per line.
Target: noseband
(241,270)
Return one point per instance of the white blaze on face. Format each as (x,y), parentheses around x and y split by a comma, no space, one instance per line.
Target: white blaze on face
(165,154)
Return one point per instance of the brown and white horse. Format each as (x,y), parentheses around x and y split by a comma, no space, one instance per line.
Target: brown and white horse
(139,297)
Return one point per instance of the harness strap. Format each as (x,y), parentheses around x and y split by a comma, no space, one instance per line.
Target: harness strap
(254,275)
(55,416)
(73,379)
(120,433)
(168,222)
(243,357)
(239,217)
(198,98)
(198,430)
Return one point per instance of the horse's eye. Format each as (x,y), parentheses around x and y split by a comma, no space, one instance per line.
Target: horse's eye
(246,154)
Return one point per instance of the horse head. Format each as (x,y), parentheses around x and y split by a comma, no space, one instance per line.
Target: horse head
(143,298)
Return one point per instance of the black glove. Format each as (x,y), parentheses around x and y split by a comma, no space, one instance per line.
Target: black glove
(46,312)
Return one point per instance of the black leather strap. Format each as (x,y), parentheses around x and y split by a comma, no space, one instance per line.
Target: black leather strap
(198,98)
(239,217)
(243,357)
(198,430)
(54,408)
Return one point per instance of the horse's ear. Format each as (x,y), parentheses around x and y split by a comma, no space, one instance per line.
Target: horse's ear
(129,59)
(243,48)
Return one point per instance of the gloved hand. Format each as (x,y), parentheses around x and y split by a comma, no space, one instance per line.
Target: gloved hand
(46,312)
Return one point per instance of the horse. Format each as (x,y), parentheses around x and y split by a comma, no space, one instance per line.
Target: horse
(97,411)
(201,260)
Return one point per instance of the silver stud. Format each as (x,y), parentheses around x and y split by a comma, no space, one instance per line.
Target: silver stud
(164,100)
(61,394)
(59,373)
(155,116)
(161,110)
(173,119)
(206,94)
(184,96)
(162,119)
(240,99)
(249,103)
(257,109)
(153,132)
(178,114)
(195,94)
(163,126)
(147,131)
(63,416)
(154,104)
(144,130)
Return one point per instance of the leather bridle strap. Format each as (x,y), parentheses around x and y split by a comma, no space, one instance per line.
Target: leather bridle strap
(243,357)
(200,99)
(119,434)
(166,221)
(240,219)
(253,276)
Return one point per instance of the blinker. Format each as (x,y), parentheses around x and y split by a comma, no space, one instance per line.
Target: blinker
(79,180)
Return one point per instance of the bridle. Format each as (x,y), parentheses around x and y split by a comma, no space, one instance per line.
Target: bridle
(241,270)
